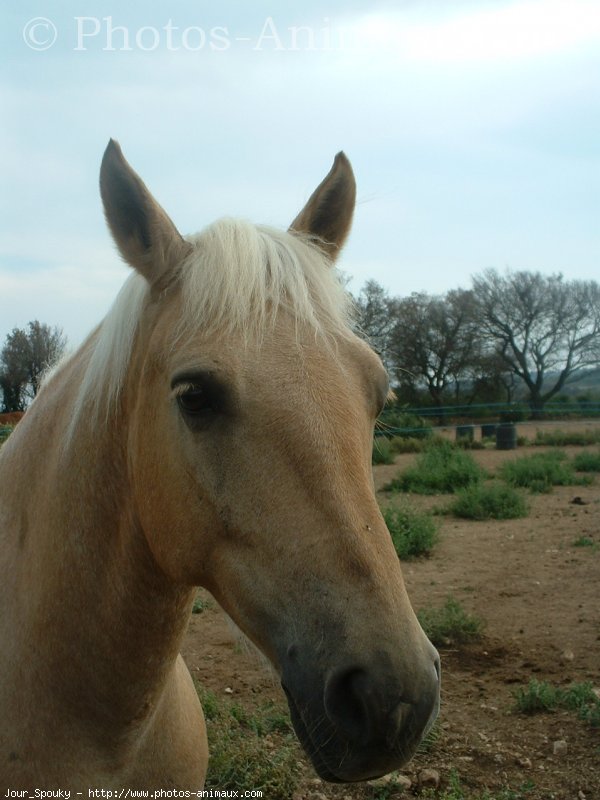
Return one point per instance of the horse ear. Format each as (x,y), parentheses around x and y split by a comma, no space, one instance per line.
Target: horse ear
(328,212)
(144,234)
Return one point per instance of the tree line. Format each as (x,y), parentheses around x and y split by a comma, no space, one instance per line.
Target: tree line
(512,335)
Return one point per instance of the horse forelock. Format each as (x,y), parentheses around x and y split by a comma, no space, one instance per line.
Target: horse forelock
(235,281)
(240,275)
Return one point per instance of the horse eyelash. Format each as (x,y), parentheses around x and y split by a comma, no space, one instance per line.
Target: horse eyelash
(182,388)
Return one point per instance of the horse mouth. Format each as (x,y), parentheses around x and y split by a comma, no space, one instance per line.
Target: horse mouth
(338,760)
(310,748)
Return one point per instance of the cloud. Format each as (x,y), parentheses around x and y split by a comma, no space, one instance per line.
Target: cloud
(500,32)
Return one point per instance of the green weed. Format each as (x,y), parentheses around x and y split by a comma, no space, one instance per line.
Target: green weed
(5,432)
(383,452)
(535,697)
(587,462)
(413,533)
(469,444)
(456,791)
(441,468)
(583,541)
(201,604)
(540,696)
(450,624)
(540,472)
(489,501)
(408,444)
(564,438)
(249,749)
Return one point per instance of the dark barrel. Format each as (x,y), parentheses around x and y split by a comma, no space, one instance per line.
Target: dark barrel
(465,432)
(506,436)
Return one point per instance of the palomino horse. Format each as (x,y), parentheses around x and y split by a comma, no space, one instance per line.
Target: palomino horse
(215,430)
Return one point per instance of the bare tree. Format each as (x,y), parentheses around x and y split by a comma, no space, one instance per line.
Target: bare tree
(26,354)
(492,381)
(376,317)
(435,341)
(545,329)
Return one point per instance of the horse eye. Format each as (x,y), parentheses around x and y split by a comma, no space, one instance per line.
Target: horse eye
(195,400)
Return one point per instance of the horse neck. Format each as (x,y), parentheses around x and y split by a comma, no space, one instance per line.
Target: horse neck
(86,598)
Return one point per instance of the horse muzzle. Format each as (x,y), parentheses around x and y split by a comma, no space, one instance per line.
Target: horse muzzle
(359,723)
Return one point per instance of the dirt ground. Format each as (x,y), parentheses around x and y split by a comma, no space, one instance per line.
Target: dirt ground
(540,598)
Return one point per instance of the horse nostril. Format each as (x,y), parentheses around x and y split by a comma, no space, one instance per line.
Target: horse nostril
(359,711)
(346,703)
(396,722)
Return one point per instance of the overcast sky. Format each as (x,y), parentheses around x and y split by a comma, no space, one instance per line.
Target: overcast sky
(473,128)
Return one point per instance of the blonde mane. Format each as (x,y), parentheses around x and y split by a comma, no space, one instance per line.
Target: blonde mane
(236,279)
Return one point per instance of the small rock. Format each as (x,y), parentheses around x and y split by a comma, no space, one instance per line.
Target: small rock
(428,778)
(392,778)
(315,781)
(228,690)
(383,781)
(577,501)
(581,795)
(559,747)
(524,762)
(568,655)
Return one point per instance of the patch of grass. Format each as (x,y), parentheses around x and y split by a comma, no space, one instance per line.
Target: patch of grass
(249,749)
(564,438)
(383,452)
(580,697)
(5,432)
(408,444)
(489,501)
(535,697)
(211,705)
(587,462)
(455,791)
(201,604)
(441,468)
(450,624)
(434,734)
(469,444)
(583,541)
(540,696)
(414,533)
(541,471)
(270,719)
